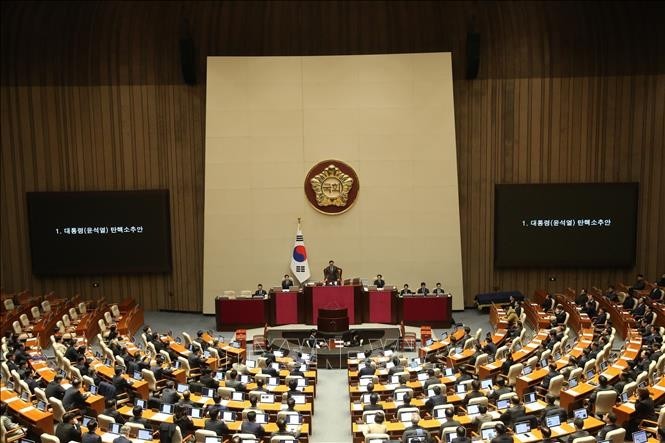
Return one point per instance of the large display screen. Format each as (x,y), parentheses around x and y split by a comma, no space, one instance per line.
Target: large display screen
(565,225)
(90,233)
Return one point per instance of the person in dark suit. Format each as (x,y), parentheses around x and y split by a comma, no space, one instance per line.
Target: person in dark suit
(397,366)
(601,319)
(552,409)
(461,436)
(91,436)
(516,410)
(373,403)
(639,310)
(69,429)
(423,289)
(437,399)
(644,410)
(579,430)
(369,369)
(610,420)
(549,303)
(500,390)
(287,282)
(450,421)
(639,285)
(214,424)
(269,369)
(332,274)
(234,382)
(55,389)
(207,379)
(611,294)
(438,290)
(656,293)
(111,411)
(196,359)
(474,393)
(502,434)
(545,383)
(432,380)
(137,417)
(379,282)
(416,431)
(489,348)
(260,292)
(251,426)
(405,290)
(122,386)
(547,435)
(74,398)
(559,315)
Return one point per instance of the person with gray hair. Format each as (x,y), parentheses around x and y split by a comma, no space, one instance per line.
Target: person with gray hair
(416,433)
(124,435)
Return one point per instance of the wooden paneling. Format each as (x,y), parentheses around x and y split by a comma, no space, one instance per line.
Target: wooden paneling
(92,98)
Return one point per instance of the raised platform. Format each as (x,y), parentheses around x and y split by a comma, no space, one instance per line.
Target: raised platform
(378,337)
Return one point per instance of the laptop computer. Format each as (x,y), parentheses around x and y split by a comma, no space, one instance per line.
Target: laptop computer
(448,372)
(273,381)
(422,376)
(394,379)
(251,364)
(302,382)
(213,440)
(451,436)
(640,437)
(238,396)
(368,418)
(114,428)
(25,396)
(219,375)
(486,384)
(460,388)
(399,395)
(140,402)
(261,418)
(580,413)
(405,417)
(94,389)
(267,398)
(144,434)
(138,375)
(440,413)
(624,397)
(228,416)
(488,433)
(529,397)
(293,419)
(553,421)
(300,398)
(196,413)
(182,387)
(572,383)
(430,392)
(604,364)
(473,409)
(166,409)
(503,404)
(208,392)
(41,405)
(444,335)
(365,398)
(543,363)
(523,428)
(527,370)
(429,342)
(589,374)
(244,379)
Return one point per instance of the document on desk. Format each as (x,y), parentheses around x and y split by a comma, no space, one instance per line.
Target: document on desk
(160,416)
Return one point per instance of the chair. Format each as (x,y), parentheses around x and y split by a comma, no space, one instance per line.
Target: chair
(490,424)
(501,353)
(514,372)
(446,431)
(36,314)
(565,321)
(58,409)
(515,343)
(410,411)
(284,439)
(189,372)
(365,414)
(187,339)
(245,438)
(41,395)
(11,436)
(652,426)
(82,308)
(201,434)
(407,390)
(73,315)
(225,392)
(105,421)
(9,304)
(166,355)
(616,436)
(605,400)
(591,364)
(408,341)
(589,439)
(642,376)
(48,438)
(468,344)
(153,384)
(259,343)
(630,388)
(135,425)
(115,311)
(46,306)
(479,401)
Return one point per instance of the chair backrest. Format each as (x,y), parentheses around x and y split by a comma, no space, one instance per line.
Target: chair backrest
(516,342)
(46,306)
(58,409)
(605,400)
(479,332)
(245,437)
(66,321)
(468,344)
(407,390)
(533,361)
(225,392)
(514,372)
(184,364)
(41,395)
(661,418)
(166,355)
(229,293)
(575,373)
(105,421)
(108,318)
(149,377)
(187,337)
(482,359)
(555,385)
(506,396)
(177,435)
(102,325)
(591,364)
(545,355)
(135,425)
(73,314)
(641,377)
(501,353)
(283,438)
(88,380)
(82,308)
(115,311)
(36,314)
(556,349)
(446,431)
(630,388)
(616,436)
(17,327)
(565,322)
(9,304)
(585,440)
(48,438)
(201,434)
(373,437)
(489,425)
(479,401)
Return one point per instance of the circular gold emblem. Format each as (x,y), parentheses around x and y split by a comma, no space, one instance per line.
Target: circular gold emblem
(331,187)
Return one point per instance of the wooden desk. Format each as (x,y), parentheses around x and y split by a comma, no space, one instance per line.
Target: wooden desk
(431,310)
(28,413)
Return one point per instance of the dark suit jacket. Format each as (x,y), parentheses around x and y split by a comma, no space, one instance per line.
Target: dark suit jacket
(91,438)
(605,429)
(372,407)
(416,431)
(435,400)
(56,390)
(170,396)
(512,414)
(379,283)
(111,412)
(423,291)
(286,284)
(577,434)
(217,426)
(502,439)
(67,432)
(73,399)
(332,275)
(367,370)
(122,439)
(261,293)
(252,428)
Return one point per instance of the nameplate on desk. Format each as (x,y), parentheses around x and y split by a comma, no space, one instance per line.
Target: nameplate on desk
(159,416)
(26,409)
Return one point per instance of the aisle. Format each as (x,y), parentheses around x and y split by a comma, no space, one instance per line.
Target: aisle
(332,420)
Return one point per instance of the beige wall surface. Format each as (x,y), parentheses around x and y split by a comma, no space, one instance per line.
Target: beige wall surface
(390,117)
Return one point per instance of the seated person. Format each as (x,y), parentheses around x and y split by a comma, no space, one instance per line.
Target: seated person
(405,290)
(579,430)
(260,292)
(423,289)
(281,428)
(250,426)
(69,429)
(461,436)
(516,410)
(437,399)
(373,403)
(502,434)
(214,424)
(415,431)
(378,426)
(438,290)
(137,417)
(112,411)
(450,421)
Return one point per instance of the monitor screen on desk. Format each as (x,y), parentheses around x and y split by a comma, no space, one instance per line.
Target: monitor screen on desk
(529,397)
(144,434)
(522,427)
(572,383)
(486,383)
(300,398)
(527,370)
(182,387)
(473,410)
(141,403)
(228,416)
(580,413)
(196,413)
(488,434)
(502,404)
(166,409)
(640,437)
(553,421)
(115,428)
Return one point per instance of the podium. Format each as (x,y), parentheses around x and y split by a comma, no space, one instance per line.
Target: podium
(333,297)
(332,320)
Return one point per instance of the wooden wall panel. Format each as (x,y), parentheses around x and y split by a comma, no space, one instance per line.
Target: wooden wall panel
(92,98)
